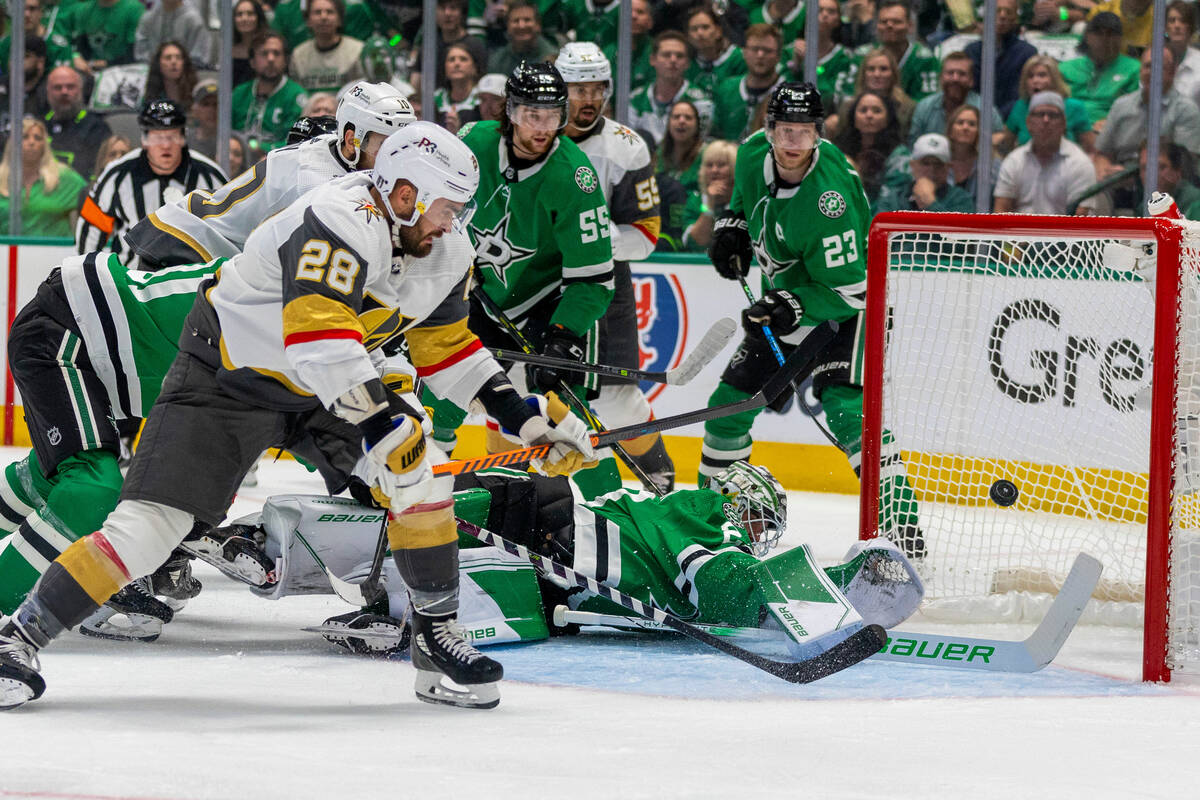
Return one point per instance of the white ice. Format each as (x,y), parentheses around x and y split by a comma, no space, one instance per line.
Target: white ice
(235,701)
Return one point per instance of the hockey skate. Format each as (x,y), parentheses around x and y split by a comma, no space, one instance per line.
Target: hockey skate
(132,614)
(440,651)
(235,550)
(174,583)
(19,678)
(377,634)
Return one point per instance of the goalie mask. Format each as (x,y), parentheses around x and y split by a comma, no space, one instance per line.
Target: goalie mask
(759,500)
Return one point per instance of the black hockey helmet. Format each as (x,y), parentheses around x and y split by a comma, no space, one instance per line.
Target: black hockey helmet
(162,114)
(307,128)
(536,83)
(795,101)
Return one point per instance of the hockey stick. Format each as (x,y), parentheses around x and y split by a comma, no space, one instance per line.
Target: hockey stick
(708,348)
(957,652)
(356,594)
(800,360)
(847,653)
(568,396)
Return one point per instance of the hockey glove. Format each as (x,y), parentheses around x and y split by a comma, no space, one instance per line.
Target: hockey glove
(571,444)
(778,308)
(395,464)
(730,250)
(560,343)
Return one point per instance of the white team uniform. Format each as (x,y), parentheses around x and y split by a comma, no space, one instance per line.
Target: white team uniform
(203,225)
(339,243)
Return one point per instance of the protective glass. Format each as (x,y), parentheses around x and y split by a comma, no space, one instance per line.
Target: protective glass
(447,214)
(163,137)
(793,135)
(594,92)
(546,120)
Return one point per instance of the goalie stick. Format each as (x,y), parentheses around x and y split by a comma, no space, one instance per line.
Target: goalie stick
(800,360)
(957,652)
(370,590)
(708,348)
(847,653)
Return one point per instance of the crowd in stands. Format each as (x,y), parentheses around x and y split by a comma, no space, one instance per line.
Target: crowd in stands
(899,80)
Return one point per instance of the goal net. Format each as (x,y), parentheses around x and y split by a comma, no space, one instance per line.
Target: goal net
(1038,379)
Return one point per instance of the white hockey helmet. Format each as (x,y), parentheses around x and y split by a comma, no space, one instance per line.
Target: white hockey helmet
(583,62)
(371,108)
(433,160)
(759,501)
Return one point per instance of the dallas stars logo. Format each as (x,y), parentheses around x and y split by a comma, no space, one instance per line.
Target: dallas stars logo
(369,209)
(832,204)
(494,250)
(762,254)
(586,179)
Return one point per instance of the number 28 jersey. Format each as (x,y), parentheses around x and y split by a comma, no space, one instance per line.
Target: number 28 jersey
(811,238)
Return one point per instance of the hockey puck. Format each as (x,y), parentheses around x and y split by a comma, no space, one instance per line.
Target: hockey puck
(1003,493)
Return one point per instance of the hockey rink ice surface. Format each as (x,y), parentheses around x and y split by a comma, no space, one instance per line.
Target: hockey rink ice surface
(235,701)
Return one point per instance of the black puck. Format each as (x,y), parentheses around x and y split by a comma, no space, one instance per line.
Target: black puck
(1003,492)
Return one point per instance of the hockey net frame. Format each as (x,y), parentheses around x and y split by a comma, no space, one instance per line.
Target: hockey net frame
(1171,240)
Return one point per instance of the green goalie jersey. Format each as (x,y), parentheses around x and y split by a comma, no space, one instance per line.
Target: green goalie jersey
(130,322)
(810,238)
(541,231)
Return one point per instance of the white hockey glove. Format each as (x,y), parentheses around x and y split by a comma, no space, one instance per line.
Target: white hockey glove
(396,467)
(555,425)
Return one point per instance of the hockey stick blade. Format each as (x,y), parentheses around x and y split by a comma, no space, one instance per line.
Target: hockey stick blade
(713,341)
(342,630)
(795,366)
(352,593)
(1000,655)
(857,647)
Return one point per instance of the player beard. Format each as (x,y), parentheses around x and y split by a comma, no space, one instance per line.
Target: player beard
(417,240)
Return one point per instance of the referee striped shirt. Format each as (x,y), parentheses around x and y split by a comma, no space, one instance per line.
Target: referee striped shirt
(129,189)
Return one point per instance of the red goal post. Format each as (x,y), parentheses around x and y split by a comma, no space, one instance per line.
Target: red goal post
(969,378)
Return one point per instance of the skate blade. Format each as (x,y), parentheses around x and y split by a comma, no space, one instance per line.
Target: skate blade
(129,628)
(15,693)
(431,689)
(175,604)
(370,641)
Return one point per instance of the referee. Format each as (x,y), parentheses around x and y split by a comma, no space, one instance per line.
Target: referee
(161,171)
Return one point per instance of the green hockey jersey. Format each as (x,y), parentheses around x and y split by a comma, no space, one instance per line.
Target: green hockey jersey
(734,104)
(541,231)
(920,70)
(130,342)
(810,238)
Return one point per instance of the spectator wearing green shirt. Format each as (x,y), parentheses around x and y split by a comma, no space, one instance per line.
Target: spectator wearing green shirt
(1102,73)
(835,64)
(59,51)
(877,72)
(931,113)
(929,188)
(787,16)
(52,190)
(716,58)
(640,71)
(682,143)
(651,104)
(523,23)
(919,67)
(361,21)
(1040,74)
(870,138)
(105,31)
(265,107)
(737,98)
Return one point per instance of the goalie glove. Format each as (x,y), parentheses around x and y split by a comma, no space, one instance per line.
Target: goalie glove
(778,308)
(730,250)
(554,424)
(559,343)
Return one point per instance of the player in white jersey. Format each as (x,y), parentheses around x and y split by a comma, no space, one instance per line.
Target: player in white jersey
(282,336)
(203,226)
(622,163)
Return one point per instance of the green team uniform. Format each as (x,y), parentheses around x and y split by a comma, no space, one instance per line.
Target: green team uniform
(646,113)
(59,52)
(127,346)
(640,71)
(543,252)
(106,33)
(791,26)
(920,70)
(707,75)
(836,72)
(592,22)
(734,104)
(810,239)
(267,118)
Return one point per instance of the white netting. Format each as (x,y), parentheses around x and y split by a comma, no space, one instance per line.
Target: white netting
(1025,362)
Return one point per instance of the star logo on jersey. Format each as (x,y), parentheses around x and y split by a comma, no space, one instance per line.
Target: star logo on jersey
(832,204)
(627,134)
(762,254)
(493,248)
(369,209)
(586,179)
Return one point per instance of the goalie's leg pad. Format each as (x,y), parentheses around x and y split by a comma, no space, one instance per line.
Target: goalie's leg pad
(440,650)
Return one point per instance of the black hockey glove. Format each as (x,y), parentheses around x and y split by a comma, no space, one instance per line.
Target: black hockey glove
(778,308)
(560,343)
(730,250)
